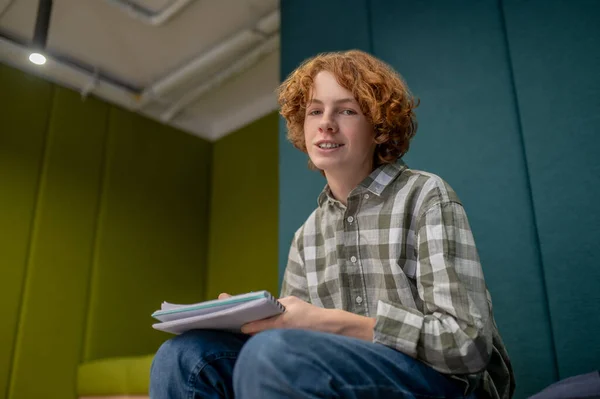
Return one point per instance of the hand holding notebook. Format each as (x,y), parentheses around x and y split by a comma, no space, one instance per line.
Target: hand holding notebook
(228,314)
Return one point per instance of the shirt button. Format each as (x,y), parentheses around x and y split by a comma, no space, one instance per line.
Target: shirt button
(366,196)
(359,300)
(353,259)
(350,219)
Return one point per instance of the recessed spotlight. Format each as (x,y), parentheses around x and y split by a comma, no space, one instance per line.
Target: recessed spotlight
(37,58)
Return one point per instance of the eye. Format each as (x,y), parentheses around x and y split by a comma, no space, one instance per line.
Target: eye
(349,112)
(314,112)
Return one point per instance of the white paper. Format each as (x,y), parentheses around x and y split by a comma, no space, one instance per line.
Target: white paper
(231,318)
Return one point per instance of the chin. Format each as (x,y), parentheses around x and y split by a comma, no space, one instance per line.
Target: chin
(320,163)
(326,163)
(326,166)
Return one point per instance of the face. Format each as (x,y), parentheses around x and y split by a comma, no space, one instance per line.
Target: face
(339,138)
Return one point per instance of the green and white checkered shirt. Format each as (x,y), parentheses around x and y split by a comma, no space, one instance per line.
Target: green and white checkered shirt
(402,251)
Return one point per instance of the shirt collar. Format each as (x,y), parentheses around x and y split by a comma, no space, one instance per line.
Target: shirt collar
(376,182)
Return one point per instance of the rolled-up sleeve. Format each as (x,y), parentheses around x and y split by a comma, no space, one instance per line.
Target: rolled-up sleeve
(453,333)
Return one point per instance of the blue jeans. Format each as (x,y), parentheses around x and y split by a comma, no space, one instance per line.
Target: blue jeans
(290,364)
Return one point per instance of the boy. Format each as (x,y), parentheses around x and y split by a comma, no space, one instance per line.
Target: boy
(384,292)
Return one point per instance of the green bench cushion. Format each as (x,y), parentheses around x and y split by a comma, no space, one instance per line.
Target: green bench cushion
(115,376)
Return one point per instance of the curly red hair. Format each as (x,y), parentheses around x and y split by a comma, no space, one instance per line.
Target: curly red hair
(382,94)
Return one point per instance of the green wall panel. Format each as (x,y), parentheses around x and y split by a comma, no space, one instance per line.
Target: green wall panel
(243,211)
(103,214)
(61,249)
(456,62)
(152,237)
(25,104)
(555,48)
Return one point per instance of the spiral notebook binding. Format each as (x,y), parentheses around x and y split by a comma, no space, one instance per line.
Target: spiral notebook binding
(279,305)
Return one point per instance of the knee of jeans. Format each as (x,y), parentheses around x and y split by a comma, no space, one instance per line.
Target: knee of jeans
(167,356)
(268,345)
(261,352)
(178,353)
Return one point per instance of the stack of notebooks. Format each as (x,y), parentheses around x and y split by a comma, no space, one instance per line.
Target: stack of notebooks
(228,314)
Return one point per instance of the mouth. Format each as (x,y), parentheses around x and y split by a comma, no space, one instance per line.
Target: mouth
(328,145)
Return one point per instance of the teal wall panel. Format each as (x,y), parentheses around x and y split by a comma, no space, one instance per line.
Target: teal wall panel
(555,49)
(456,62)
(308,28)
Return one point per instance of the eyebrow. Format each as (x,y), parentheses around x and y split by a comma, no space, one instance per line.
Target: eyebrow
(340,101)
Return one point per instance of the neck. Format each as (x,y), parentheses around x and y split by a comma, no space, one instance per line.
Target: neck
(341,183)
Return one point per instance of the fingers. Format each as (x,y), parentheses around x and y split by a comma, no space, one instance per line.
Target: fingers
(224,295)
(253,328)
(261,325)
(248,329)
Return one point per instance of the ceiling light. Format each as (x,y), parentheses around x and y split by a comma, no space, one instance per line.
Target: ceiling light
(37,58)
(40,34)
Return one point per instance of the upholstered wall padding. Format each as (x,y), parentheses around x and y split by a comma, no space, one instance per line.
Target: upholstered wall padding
(25,103)
(152,233)
(51,327)
(243,211)
(555,48)
(103,215)
(469,134)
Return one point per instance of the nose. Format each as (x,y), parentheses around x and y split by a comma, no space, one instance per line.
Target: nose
(327,124)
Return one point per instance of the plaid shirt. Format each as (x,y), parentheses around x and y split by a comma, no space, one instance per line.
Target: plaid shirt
(402,251)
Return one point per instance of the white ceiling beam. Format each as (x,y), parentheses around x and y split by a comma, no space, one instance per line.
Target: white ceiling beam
(242,40)
(248,60)
(152,18)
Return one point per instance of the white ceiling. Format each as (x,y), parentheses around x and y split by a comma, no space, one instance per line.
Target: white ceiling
(131,56)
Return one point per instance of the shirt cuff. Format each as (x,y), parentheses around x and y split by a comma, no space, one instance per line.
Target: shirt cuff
(398,327)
